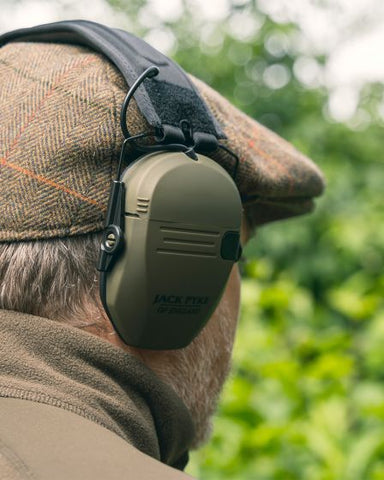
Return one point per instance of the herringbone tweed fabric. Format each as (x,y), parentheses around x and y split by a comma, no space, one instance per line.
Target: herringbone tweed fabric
(60,139)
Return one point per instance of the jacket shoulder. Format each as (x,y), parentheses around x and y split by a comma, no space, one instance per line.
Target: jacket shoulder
(42,442)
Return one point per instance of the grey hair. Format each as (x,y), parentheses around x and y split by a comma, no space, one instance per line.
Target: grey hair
(54,278)
(197,373)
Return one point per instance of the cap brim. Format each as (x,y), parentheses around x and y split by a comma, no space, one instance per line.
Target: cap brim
(275,180)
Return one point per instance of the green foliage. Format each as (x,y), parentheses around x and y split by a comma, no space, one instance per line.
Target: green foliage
(305,399)
(306,396)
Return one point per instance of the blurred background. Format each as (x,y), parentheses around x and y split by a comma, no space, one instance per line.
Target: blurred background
(306,396)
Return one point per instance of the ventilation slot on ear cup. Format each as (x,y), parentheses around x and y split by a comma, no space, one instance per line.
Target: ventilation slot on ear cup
(188,242)
(185,252)
(188,231)
(183,241)
(142,205)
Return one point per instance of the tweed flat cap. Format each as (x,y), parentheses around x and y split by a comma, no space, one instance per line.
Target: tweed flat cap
(60,139)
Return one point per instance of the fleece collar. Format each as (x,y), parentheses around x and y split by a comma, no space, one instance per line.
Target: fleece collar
(48,362)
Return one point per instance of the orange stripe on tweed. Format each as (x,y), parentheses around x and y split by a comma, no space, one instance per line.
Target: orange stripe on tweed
(53,184)
(40,178)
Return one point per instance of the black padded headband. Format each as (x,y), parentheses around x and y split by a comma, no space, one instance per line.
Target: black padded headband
(165,101)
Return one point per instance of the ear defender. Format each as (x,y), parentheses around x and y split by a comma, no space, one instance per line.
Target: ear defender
(172,236)
(173,222)
(181,220)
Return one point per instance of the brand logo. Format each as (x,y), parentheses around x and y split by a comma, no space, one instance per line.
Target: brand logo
(179,304)
(180,300)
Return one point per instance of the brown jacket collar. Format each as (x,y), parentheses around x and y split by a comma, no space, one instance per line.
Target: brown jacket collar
(47,362)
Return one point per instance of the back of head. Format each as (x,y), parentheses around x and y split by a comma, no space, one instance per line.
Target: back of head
(60,145)
(59,151)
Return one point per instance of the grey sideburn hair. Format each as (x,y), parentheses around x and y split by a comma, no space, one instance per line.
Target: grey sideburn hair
(54,278)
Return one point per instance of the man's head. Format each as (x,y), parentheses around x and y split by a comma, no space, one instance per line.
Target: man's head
(60,141)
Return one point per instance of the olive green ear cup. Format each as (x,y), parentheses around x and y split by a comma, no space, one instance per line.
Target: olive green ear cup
(182,221)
